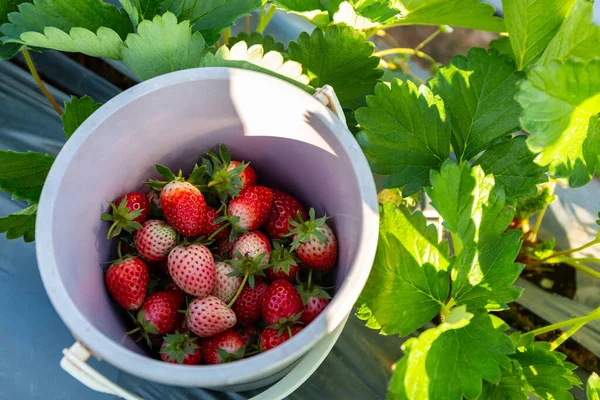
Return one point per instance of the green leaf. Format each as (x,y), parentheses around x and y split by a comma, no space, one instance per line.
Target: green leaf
(254,59)
(340,57)
(163,45)
(365,14)
(479,92)
(547,374)
(267,41)
(311,10)
(9,50)
(474,209)
(140,10)
(502,44)
(593,387)
(77,111)
(561,102)
(92,27)
(210,17)
(510,387)
(530,205)
(471,14)
(405,134)
(578,36)
(511,163)
(409,281)
(531,25)
(20,224)
(23,174)
(453,359)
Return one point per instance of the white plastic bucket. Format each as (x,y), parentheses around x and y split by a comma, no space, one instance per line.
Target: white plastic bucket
(294,142)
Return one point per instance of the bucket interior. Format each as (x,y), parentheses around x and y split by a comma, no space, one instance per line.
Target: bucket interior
(287,137)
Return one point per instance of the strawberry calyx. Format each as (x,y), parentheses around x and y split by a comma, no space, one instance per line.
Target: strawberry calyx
(236,230)
(248,267)
(120,257)
(178,345)
(144,327)
(285,324)
(226,183)
(304,231)
(122,218)
(306,292)
(226,356)
(282,259)
(195,178)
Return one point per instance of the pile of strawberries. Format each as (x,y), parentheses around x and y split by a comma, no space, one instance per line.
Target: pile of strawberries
(217,267)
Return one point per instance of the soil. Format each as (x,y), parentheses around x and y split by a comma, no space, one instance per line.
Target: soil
(558,279)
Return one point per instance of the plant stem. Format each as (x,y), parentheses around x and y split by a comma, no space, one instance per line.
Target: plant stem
(573,321)
(565,335)
(412,52)
(540,217)
(247,24)
(40,83)
(215,233)
(428,39)
(237,294)
(446,308)
(309,280)
(585,246)
(582,268)
(119,249)
(265,18)
(226,34)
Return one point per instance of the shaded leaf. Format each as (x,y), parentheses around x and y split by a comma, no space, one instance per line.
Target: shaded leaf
(77,111)
(20,224)
(267,42)
(23,174)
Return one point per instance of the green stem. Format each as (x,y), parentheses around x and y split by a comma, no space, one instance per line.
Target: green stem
(565,335)
(594,315)
(40,83)
(265,18)
(412,52)
(226,34)
(131,332)
(247,24)
(309,280)
(215,233)
(119,249)
(446,308)
(585,246)
(237,294)
(428,39)
(540,217)
(582,268)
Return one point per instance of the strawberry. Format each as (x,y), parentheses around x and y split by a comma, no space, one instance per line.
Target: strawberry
(248,175)
(314,299)
(192,268)
(251,245)
(224,247)
(248,333)
(182,203)
(181,348)
(209,316)
(209,227)
(128,212)
(159,313)
(250,209)
(155,240)
(314,242)
(271,337)
(285,207)
(281,303)
(225,286)
(227,177)
(154,200)
(284,264)
(222,348)
(127,282)
(248,305)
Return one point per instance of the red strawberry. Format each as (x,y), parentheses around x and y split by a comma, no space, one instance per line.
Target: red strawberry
(159,313)
(281,302)
(209,227)
(248,175)
(248,333)
(251,208)
(127,282)
(285,207)
(251,245)
(155,240)
(284,264)
(128,212)
(181,348)
(314,242)
(193,269)
(248,305)
(224,247)
(314,307)
(271,337)
(225,286)
(209,316)
(222,348)
(227,177)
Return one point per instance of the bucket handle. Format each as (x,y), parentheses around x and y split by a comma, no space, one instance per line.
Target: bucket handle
(74,360)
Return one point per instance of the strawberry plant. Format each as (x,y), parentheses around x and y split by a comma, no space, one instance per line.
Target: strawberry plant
(486,139)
